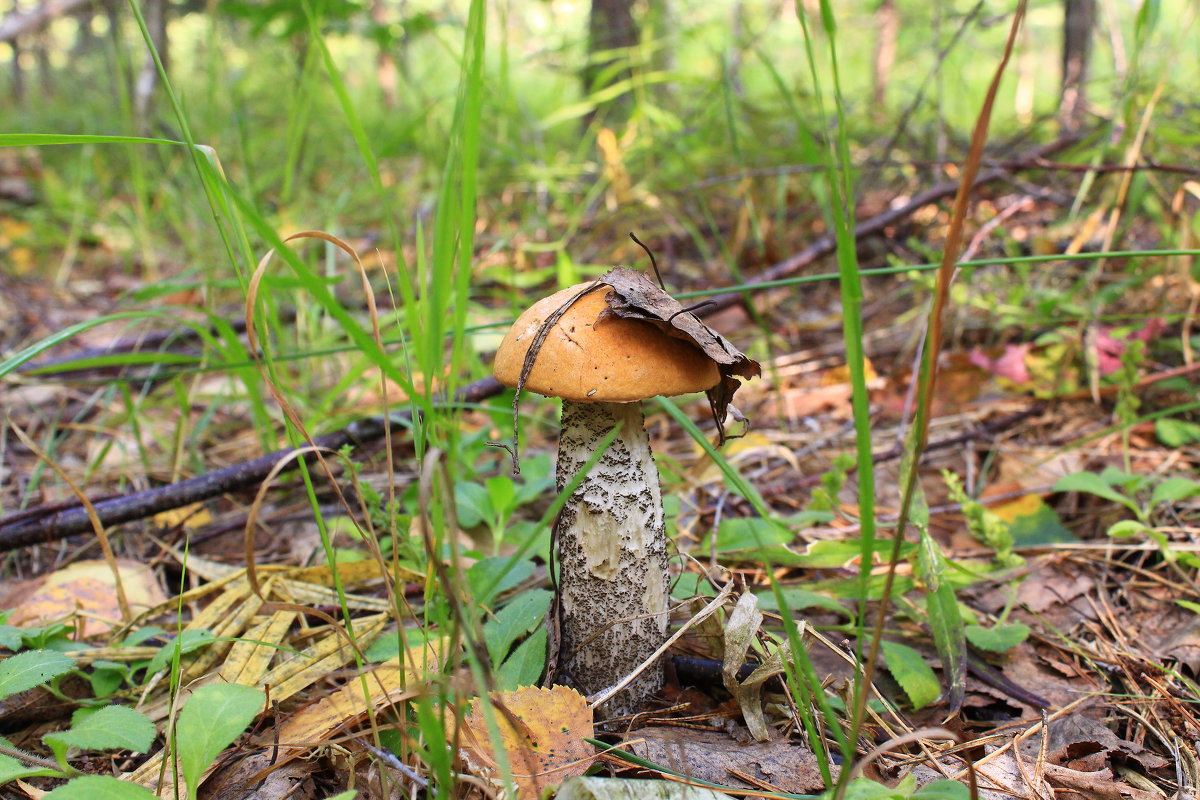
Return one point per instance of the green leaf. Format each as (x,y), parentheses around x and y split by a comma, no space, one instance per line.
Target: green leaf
(1128,527)
(943,790)
(1173,489)
(998,638)
(835,554)
(853,589)
(472,504)
(536,478)
(1040,527)
(11,769)
(490,576)
(100,787)
(526,663)
(516,619)
(33,668)
(1147,19)
(1091,483)
(106,677)
(502,494)
(10,637)
(108,728)
(1189,605)
(385,647)
(1131,482)
(214,716)
(864,789)
(796,598)
(56,636)
(691,584)
(735,534)
(349,794)
(1176,432)
(188,642)
(915,677)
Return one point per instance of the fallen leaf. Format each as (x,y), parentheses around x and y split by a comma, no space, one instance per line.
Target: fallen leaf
(1010,364)
(192,516)
(542,732)
(86,588)
(716,756)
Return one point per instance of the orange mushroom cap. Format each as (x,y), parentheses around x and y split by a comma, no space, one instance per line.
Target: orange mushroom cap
(588,359)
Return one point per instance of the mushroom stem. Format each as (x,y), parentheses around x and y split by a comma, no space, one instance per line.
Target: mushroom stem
(612,549)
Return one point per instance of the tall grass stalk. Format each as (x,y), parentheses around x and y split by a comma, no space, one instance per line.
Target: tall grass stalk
(838,183)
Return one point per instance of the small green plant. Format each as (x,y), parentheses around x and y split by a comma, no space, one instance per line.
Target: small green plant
(1128,400)
(493,502)
(213,717)
(824,497)
(984,525)
(1142,496)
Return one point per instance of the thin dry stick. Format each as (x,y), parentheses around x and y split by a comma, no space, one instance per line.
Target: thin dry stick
(706,612)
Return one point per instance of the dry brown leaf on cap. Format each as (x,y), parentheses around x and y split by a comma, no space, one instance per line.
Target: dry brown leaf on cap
(86,589)
(635,296)
(542,732)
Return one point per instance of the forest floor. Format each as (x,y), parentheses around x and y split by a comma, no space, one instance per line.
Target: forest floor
(1059,476)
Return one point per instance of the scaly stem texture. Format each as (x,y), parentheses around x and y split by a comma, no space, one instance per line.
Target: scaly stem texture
(612,549)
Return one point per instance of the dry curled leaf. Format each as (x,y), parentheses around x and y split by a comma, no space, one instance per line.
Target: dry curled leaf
(635,296)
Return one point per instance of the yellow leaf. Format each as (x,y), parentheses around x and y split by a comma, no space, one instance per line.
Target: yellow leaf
(542,732)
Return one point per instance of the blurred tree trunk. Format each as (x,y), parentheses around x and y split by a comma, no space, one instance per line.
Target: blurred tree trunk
(155,12)
(1079,20)
(887,30)
(610,27)
(41,53)
(86,41)
(18,74)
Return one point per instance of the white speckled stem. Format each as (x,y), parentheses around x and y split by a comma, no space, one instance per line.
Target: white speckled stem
(612,551)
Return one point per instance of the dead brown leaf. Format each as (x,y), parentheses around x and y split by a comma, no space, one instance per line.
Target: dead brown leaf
(717,757)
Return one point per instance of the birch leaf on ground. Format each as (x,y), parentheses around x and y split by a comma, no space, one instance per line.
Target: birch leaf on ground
(740,631)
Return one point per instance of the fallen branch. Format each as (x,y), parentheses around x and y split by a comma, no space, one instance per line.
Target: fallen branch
(826,245)
(31,527)
(19,23)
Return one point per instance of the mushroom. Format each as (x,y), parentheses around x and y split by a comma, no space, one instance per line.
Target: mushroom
(593,346)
